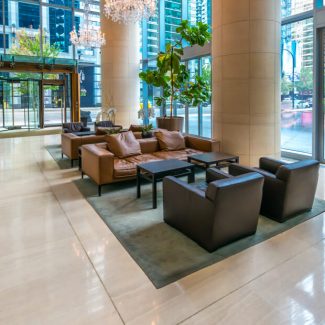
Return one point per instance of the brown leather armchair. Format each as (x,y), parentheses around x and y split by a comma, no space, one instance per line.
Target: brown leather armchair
(289,189)
(228,210)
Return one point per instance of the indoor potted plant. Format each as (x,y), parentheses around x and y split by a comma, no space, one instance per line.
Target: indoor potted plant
(147,131)
(173,77)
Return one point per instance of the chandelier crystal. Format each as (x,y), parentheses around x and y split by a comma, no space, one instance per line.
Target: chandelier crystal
(89,36)
(129,11)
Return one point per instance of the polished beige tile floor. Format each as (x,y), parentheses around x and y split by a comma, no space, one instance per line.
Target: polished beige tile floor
(60,264)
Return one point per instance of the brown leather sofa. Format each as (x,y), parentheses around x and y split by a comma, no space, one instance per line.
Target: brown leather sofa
(227,211)
(70,144)
(104,168)
(289,188)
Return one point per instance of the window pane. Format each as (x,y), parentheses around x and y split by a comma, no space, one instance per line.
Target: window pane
(199,10)
(173,17)
(57,24)
(206,107)
(294,7)
(297,86)
(193,111)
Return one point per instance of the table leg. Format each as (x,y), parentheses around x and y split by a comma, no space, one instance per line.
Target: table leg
(154,192)
(138,183)
(191,177)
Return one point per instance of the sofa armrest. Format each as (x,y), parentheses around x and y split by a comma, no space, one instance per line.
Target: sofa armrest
(97,163)
(70,144)
(214,174)
(207,145)
(271,165)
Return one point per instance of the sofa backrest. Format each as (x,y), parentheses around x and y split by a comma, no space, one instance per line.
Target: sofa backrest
(150,145)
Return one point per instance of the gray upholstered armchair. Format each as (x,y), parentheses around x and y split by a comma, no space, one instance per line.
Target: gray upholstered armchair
(74,127)
(228,210)
(289,189)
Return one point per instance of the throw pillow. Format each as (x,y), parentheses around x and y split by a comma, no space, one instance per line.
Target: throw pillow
(170,140)
(123,144)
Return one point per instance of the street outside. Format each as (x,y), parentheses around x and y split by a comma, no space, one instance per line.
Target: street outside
(296,128)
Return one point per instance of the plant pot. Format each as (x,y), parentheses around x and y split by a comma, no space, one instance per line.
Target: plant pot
(174,123)
(146,135)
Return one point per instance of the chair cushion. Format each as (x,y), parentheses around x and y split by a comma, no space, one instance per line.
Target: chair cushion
(73,127)
(123,144)
(105,124)
(108,130)
(170,140)
(124,168)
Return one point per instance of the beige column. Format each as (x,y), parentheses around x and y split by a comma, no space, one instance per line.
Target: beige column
(246,77)
(120,62)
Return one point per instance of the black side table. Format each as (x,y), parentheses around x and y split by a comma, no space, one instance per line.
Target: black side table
(157,170)
(216,159)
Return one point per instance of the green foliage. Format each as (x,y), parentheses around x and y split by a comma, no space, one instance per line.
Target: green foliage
(305,83)
(172,75)
(31,45)
(147,128)
(286,86)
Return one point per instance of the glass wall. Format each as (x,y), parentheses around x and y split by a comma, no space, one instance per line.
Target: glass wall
(160,30)
(297,86)
(47,23)
(297,46)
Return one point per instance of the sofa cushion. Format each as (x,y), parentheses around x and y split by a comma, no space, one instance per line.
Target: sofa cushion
(179,154)
(170,140)
(124,168)
(150,145)
(123,144)
(136,128)
(144,158)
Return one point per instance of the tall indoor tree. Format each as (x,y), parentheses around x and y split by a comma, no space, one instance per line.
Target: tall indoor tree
(172,75)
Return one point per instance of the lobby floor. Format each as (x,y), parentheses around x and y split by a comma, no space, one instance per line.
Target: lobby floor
(60,264)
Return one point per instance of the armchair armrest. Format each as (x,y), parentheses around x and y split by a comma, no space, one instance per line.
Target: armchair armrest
(187,209)
(236,170)
(271,165)
(208,145)
(214,174)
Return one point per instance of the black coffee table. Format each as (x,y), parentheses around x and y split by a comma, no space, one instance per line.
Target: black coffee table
(157,170)
(216,159)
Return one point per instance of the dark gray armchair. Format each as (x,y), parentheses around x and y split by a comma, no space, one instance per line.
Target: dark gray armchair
(74,127)
(289,189)
(228,210)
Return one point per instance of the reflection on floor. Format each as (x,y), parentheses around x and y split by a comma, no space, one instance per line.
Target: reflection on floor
(59,263)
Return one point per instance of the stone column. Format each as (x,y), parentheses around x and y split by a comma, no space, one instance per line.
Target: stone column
(246,77)
(120,62)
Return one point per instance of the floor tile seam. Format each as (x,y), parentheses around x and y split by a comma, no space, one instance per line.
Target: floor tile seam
(251,281)
(81,244)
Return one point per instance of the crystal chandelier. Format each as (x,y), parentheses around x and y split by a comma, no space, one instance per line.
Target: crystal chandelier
(89,36)
(129,11)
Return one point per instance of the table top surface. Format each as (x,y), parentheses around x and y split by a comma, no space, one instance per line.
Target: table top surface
(162,166)
(213,157)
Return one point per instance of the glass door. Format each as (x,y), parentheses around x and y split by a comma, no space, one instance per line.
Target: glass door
(54,103)
(19,104)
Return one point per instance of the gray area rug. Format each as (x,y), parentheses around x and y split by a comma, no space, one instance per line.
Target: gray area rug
(55,152)
(164,254)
